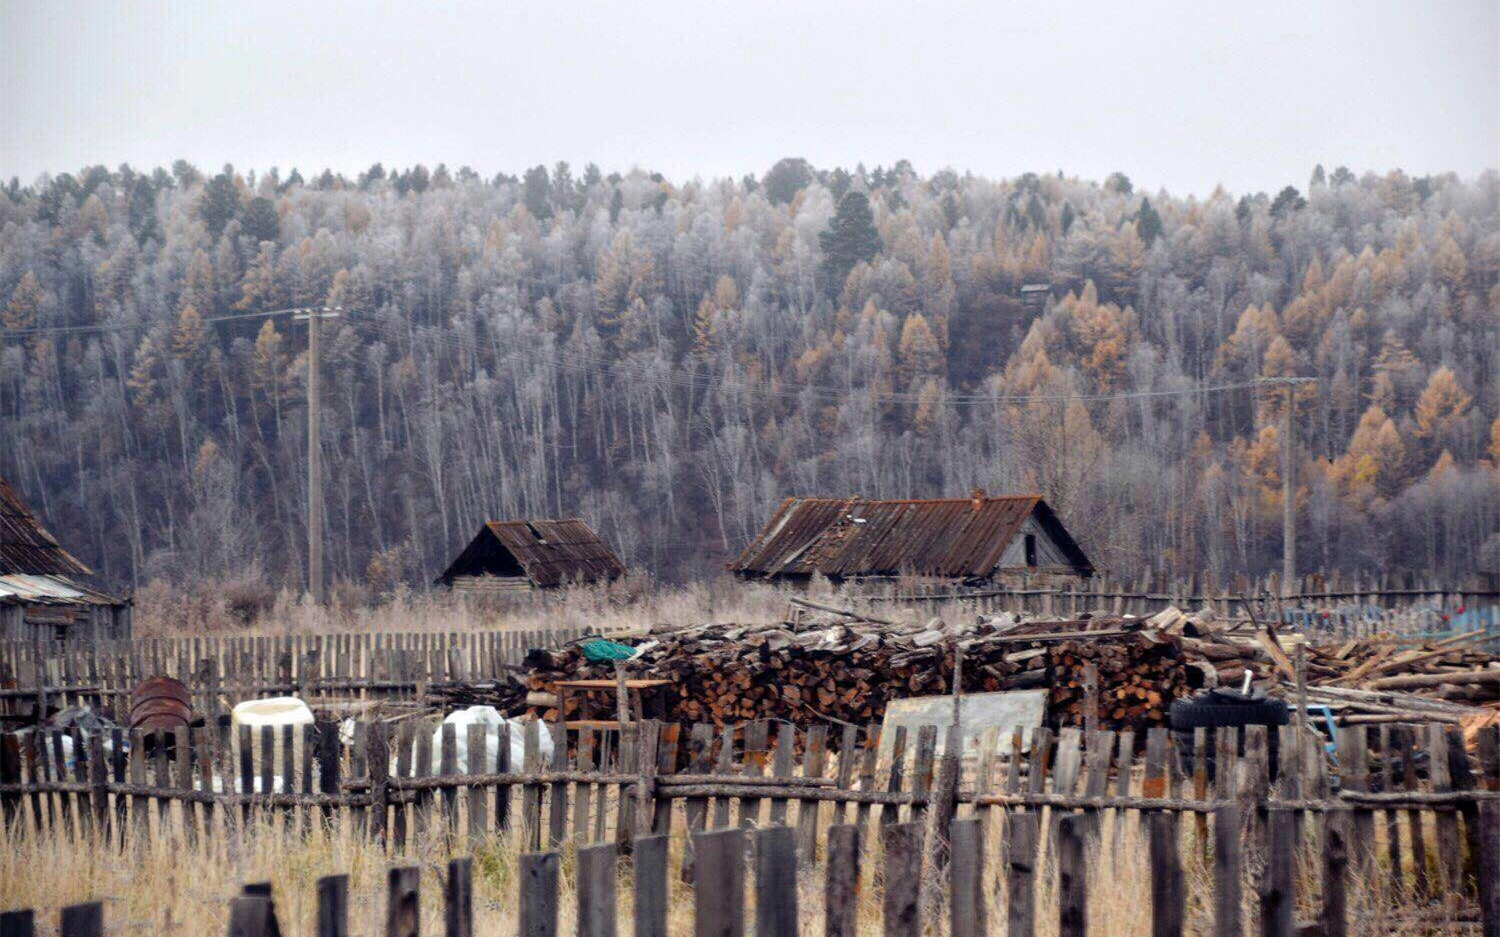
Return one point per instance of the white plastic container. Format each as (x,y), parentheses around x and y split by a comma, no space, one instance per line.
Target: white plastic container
(490,718)
(273,712)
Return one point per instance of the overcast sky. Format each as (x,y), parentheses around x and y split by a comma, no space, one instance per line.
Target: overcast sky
(1180,95)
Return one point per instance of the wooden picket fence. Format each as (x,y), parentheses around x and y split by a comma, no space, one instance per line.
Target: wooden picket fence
(1416,783)
(383,665)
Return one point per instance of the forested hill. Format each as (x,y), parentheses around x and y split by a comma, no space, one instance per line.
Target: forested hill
(668,359)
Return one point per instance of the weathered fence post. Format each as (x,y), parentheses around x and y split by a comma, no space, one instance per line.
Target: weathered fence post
(403,916)
(719,899)
(841,885)
(902,843)
(776,882)
(966,911)
(1166,876)
(252,916)
(1227,871)
(377,759)
(17,923)
(1072,876)
(538,915)
(333,906)
(458,898)
(1020,855)
(596,890)
(1334,917)
(650,863)
(1277,885)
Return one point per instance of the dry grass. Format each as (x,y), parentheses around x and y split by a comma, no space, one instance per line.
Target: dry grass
(162,886)
(223,608)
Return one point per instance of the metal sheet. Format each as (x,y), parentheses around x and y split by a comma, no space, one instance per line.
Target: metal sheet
(978,712)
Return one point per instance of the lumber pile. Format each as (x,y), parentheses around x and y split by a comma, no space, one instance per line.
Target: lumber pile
(834,667)
(828,664)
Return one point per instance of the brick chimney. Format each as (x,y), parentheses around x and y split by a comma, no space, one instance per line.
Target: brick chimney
(976,497)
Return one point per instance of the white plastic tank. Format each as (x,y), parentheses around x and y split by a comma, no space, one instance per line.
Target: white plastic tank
(276,711)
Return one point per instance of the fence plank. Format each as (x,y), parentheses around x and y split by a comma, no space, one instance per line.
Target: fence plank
(402,904)
(902,843)
(1278,883)
(17,923)
(333,906)
(252,916)
(1020,873)
(719,899)
(1166,876)
(841,882)
(776,878)
(82,920)
(596,890)
(1072,876)
(458,898)
(966,905)
(1334,918)
(538,888)
(1227,871)
(649,858)
(477,743)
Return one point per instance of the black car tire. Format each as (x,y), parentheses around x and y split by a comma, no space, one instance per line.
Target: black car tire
(1193,714)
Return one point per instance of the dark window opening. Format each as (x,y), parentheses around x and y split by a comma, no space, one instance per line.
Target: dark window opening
(1031,549)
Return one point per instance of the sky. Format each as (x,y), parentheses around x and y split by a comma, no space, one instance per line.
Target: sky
(1181,96)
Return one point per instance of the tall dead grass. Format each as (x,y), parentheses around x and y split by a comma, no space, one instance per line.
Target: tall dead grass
(161,885)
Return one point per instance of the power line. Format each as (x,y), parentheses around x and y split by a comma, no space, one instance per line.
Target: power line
(596,365)
(131,326)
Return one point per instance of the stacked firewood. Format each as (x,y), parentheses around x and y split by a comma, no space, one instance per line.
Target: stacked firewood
(1136,677)
(847,670)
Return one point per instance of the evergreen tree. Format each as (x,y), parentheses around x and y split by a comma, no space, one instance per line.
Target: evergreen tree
(537,193)
(219,204)
(1147,222)
(261,222)
(787,178)
(851,238)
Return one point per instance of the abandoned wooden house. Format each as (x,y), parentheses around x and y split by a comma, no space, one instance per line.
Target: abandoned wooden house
(976,540)
(44,595)
(518,557)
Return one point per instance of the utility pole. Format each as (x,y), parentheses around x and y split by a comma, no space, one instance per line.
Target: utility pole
(1288,478)
(316,584)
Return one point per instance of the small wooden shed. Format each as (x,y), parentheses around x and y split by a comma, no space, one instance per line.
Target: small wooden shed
(520,556)
(44,590)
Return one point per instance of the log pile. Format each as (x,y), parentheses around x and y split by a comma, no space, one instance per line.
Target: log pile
(831,665)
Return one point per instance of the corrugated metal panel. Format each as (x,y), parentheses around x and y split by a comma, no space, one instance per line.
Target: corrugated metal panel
(26,546)
(950,537)
(48,590)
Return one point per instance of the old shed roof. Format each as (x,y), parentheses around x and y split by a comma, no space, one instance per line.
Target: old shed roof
(550,552)
(946,537)
(26,546)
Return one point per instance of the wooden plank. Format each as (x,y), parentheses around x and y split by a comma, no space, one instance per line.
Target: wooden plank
(1021,832)
(458,899)
(478,798)
(756,734)
(1450,868)
(21,923)
(841,880)
(781,767)
(403,896)
(1227,872)
(333,906)
(531,794)
(1072,877)
(776,879)
(649,859)
(596,890)
(719,899)
(966,902)
(82,920)
(252,916)
(666,763)
(1489,867)
(448,767)
(1334,917)
(890,814)
(538,894)
(502,766)
(902,844)
(1416,836)
(421,811)
(922,775)
(557,800)
(378,761)
(1278,881)
(808,810)
(1167,892)
(724,765)
(583,760)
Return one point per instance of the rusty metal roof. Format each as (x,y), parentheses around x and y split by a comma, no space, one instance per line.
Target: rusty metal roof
(26,546)
(550,552)
(846,537)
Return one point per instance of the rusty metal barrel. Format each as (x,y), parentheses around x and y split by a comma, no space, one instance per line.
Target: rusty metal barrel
(160,703)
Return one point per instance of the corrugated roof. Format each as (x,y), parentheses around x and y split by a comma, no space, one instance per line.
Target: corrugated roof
(550,552)
(26,546)
(845,537)
(48,590)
